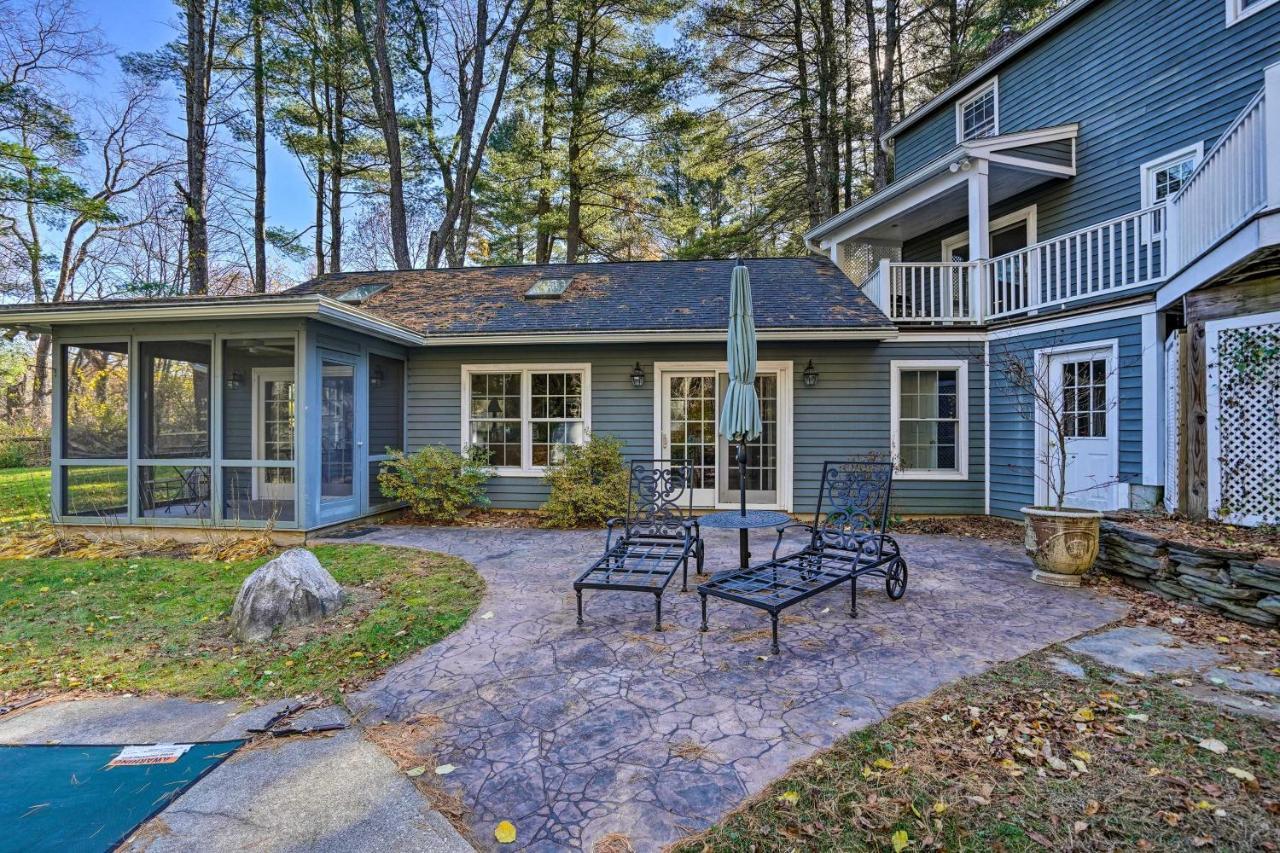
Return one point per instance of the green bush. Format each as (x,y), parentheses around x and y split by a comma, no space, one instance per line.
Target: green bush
(437,483)
(589,486)
(13,455)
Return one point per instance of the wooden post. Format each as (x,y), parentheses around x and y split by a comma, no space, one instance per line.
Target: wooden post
(1195,409)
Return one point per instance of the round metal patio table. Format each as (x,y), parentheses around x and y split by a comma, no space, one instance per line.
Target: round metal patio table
(734,519)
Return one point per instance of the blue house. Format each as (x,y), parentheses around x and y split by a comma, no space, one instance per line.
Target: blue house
(1093,213)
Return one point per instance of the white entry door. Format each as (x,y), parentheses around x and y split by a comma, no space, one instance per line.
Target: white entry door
(275,412)
(1085,387)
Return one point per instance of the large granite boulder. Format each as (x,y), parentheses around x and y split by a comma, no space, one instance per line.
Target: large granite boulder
(293,589)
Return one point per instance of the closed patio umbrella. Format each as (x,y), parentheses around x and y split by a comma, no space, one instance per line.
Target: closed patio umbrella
(740,417)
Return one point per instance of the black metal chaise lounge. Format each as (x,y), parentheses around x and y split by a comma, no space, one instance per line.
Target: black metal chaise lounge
(658,536)
(846,541)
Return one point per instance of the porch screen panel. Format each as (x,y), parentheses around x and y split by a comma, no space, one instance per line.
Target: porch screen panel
(259,425)
(175,399)
(95,401)
(174,492)
(495,416)
(95,491)
(337,431)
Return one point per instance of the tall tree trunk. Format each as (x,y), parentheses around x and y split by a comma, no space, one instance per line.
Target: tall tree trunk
(577,107)
(545,239)
(806,115)
(196,78)
(319,224)
(882,55)
(382,89)
(259,154)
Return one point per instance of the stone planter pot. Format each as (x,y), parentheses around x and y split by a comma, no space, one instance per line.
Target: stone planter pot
(1063,543)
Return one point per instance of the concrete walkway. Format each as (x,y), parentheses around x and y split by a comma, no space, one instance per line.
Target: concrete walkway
(574,733)
(324,793)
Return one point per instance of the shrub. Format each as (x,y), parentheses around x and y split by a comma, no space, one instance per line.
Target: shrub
(437,483)
(589,486)
(13,455)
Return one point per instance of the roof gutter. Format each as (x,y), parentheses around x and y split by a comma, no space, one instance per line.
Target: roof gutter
(313,307)
(876,333)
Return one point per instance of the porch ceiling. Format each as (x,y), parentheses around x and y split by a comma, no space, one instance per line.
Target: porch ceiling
(949,202)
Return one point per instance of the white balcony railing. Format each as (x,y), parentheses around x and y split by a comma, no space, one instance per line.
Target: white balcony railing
(1238,178)
(1229,185)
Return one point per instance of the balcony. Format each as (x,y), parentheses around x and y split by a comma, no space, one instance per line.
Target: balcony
(1226,210)
(1120,254)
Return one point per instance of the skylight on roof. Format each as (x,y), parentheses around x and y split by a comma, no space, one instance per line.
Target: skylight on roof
(548,288)
(361,292)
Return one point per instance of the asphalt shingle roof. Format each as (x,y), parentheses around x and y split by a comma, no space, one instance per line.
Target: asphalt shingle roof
(788,294)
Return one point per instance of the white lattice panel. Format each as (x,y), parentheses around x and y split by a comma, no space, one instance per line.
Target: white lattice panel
(1243,366)
(1172,420)
(859,260)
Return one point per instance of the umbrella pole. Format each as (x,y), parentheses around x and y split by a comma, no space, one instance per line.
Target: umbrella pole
(744,556)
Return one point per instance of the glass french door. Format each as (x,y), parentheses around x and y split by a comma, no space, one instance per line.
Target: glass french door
(689,428)
(762,452)
(691,402)
(338,448)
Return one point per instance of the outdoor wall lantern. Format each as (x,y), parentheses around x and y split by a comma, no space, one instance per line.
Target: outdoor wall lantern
(235,380)
(637,376)
(810,375)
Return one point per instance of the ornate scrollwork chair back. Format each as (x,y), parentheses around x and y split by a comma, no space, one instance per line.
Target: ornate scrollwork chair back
(659,499)
(853,506)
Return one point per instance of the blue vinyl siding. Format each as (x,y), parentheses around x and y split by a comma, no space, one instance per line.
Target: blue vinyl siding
(1141,77)
(846,413)
(1012,433)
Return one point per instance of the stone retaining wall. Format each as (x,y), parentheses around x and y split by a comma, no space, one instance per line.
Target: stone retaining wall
(1238,585)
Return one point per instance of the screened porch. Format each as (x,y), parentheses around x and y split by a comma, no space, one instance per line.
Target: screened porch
(281,428)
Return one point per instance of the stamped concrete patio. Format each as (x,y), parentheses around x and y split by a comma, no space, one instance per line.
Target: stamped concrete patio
(573,733)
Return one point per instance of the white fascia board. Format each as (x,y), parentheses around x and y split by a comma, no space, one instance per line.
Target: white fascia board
(659,335)
(312,307)
(988,68)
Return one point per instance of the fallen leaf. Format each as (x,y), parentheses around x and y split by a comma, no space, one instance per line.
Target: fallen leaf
(1083,715)
(1079,826)
(1201,841)
(1214,745)
(789,797)
(415,772)
(505,832)
(939,807)
(1141,718)
(1243,775)
(883,763)
(1092,807)
(487,615)
(900,841)
(444,769)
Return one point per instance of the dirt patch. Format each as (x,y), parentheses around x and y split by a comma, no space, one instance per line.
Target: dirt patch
(986,527)
(1202,533)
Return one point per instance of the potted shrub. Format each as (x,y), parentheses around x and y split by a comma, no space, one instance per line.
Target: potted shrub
(1061,540)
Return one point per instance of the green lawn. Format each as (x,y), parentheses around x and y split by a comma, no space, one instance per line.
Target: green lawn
(157,624)
(1021,758)
(24,495)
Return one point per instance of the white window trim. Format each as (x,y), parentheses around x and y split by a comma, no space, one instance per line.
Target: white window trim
(1110,347)
(1196,152)
(1027,213)
(994,86)
(961,367)
(1237,12)
(527,468)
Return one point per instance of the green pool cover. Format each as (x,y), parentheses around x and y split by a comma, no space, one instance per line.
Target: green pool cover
(73,798)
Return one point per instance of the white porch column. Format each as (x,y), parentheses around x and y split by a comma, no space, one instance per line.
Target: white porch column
(1271,141)
(979,235)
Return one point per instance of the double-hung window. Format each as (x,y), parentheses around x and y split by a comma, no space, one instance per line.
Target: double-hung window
(928,430)
(978,115)
(1163,177)
(525,416)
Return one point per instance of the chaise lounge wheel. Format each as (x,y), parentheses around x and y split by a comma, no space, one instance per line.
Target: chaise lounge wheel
(895,579)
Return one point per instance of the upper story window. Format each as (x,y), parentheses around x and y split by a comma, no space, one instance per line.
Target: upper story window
(1240,9)
(1164,176)
(978,115)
